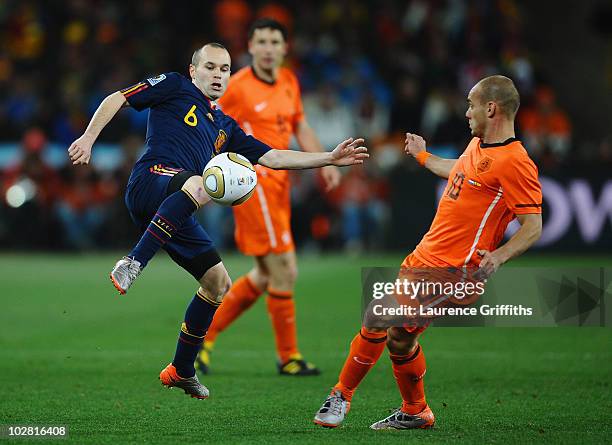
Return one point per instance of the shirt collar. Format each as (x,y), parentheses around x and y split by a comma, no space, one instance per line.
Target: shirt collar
(498,144)
(267,82)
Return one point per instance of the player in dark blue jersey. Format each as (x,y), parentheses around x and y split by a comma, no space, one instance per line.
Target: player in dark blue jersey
(165,188)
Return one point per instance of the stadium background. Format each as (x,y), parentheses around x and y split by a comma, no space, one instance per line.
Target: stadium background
(376,69)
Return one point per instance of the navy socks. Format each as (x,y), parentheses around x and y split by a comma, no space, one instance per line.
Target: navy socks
(171,215)
(198,318)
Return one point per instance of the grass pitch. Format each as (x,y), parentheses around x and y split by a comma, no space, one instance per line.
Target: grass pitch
(74,352)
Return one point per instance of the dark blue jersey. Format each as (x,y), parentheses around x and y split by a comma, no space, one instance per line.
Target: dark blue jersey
(184,130)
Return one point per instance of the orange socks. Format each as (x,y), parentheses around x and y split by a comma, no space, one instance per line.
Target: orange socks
(281,309)
(365,351)
(409,371)
(240,297)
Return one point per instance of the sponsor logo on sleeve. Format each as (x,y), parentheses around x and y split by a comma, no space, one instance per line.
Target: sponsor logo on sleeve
(155,80)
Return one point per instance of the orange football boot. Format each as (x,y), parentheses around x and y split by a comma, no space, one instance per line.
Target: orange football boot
(191,385)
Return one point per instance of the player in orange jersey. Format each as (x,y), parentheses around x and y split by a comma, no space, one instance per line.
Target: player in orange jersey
(265,100)
(492,182)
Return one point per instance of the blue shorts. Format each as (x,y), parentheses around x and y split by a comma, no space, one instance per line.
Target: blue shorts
(190,246)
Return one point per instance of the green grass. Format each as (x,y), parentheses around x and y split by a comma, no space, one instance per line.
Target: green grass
(73,352)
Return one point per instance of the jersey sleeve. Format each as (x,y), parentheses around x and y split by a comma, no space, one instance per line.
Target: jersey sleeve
(230,101)
(521,187)
(153,91)
(246,145)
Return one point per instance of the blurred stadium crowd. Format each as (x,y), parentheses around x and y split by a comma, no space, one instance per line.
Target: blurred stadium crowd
(376,69)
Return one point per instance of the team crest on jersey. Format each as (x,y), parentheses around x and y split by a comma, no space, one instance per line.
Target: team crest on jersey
(221,139)
(157,79)
(484,165)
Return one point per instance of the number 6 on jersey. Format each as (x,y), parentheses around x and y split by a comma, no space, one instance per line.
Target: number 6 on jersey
(190,118)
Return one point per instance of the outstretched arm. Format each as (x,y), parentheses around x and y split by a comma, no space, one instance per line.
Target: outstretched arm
(415,146)
(348,152)
(80,150)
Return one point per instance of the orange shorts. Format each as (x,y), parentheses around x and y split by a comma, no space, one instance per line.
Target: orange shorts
(412,261)
(413,326)
(415,269)
(263,222)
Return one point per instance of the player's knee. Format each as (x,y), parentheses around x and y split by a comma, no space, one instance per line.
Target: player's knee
(259,277)
(223,287)
(217,286)
(217,291)
(195,187)
(401,342)
(291,272)
(284,275)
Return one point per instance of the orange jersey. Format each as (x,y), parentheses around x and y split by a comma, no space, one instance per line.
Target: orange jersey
(268,111)
(487,187)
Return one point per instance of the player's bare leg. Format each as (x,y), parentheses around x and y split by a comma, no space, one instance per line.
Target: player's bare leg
(283,273)
(181,372)
(409,369)
(242,295)
(259,274)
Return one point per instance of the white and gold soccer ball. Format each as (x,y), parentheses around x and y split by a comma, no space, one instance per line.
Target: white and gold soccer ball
(229,179)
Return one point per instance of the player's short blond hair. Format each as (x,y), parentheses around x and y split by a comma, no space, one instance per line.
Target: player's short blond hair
(501,90)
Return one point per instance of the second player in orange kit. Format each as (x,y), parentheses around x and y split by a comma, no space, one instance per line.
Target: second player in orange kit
(491,183)
(265,100)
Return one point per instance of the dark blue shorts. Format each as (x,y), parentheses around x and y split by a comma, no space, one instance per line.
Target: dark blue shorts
(190,246)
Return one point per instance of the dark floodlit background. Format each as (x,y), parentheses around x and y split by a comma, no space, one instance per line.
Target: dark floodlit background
(373,69)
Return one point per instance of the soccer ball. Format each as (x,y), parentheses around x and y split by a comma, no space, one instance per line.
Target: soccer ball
(229,179)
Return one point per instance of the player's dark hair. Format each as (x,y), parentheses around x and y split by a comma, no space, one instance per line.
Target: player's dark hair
(501,90)
(195,58)
(266,22)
